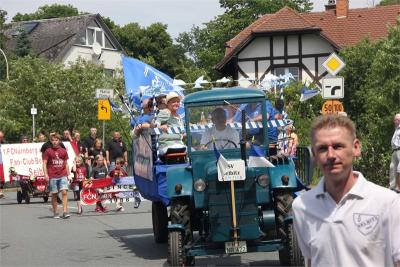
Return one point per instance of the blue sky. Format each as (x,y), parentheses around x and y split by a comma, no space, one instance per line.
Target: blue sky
(179,15)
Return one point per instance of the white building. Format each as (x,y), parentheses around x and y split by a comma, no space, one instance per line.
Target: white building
(67,39)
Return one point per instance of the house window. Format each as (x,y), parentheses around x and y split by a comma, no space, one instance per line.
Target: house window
(94,35)
(282,71)
(109,73)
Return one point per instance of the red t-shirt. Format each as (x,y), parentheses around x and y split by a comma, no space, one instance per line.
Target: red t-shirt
(118,173)
(80,173)
(56,162)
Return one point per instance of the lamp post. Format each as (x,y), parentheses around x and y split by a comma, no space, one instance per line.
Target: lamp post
(6,63)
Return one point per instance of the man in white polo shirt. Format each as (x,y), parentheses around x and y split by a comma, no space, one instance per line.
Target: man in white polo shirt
(345,220)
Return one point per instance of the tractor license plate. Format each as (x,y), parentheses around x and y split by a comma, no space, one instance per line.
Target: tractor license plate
(235,247)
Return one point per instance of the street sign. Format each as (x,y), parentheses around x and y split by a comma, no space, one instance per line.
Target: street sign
(333,88)
(333,64)
(33,111)
(104,93)
(332,107)
(103,110)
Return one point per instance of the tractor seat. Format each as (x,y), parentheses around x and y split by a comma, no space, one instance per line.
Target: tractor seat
(174,156)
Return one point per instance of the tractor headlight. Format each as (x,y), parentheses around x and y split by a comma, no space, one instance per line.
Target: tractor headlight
(199,185)
(263,180)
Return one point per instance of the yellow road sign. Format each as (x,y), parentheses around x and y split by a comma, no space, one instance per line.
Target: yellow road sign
(103,110)
(334,64)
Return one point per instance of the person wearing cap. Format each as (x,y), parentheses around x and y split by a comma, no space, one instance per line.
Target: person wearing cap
(167,118)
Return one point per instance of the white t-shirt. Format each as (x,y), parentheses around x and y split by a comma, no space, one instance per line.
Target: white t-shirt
(363,229)
(227,134)
(396,139)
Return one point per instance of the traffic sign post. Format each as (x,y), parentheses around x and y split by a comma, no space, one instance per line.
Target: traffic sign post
(333,88)
(103,113)
(33,113)
(332,107)
(103,110)
(334,64)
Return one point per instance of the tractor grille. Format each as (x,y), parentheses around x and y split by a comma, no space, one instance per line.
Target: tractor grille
(220,210)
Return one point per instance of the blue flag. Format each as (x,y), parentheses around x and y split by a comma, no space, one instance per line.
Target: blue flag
(115,107)
(257,158)
(144,81)
(222,163)
(307,93)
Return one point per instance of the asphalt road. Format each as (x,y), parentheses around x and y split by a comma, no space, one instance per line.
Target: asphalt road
(29,236)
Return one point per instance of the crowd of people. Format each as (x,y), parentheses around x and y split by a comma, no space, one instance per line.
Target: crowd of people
(92,161)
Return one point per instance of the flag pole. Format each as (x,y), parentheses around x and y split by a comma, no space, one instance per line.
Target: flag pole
(234,222)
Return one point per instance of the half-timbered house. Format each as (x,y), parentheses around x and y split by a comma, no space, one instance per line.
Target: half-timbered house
(299,43)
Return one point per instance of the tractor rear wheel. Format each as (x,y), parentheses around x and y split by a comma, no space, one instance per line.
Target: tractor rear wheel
(290,255)
(159,215)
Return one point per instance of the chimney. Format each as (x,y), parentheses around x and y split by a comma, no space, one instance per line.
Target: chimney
(342,8)
(331,6)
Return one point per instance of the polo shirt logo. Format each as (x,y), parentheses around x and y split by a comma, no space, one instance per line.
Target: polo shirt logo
(366,223)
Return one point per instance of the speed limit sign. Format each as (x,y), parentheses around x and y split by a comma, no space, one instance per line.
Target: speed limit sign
(332,107)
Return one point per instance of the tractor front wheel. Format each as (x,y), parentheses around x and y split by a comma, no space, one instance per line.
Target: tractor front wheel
(178,239)
(290,255)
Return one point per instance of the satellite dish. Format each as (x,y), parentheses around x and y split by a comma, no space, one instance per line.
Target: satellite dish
(96,48)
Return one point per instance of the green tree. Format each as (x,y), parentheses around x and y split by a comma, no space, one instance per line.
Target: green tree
(23,47)
(47,12)
(153,45)
(3,39)
(206,45)
(389,2)
(64,97)
(375,98)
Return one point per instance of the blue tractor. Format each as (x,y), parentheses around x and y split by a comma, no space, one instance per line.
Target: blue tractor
(224,198)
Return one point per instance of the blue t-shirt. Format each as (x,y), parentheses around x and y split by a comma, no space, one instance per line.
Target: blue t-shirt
(142,119)
(252,111)
(272,131)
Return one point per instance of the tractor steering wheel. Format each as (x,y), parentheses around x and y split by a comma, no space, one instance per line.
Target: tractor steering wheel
(223,140)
